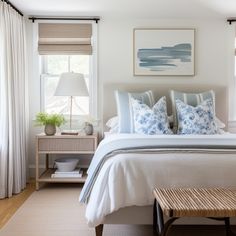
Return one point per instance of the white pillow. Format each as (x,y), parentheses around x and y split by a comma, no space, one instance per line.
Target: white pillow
(112,122)
(150,120)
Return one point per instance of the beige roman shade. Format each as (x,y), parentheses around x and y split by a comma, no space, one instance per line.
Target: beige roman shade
(59,39)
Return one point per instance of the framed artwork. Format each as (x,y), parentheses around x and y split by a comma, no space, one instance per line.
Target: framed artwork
(164,52)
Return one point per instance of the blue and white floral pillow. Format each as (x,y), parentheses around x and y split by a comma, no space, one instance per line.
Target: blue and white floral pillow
(150,120)
(196,120)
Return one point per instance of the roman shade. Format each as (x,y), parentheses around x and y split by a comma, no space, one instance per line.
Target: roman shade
(63,38)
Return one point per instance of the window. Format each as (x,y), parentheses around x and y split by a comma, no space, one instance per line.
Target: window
(52,67)
(79,57)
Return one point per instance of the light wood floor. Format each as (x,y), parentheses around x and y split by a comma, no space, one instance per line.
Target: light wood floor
(9,206)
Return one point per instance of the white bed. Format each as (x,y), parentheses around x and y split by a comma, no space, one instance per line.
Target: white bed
(122,192)
(128,176)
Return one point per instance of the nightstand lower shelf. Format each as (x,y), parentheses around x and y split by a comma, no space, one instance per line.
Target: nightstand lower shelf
(46,177)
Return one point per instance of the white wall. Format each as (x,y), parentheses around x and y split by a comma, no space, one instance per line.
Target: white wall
(214,55)
(116,51)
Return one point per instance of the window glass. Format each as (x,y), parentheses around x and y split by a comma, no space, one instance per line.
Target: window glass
(54,65)
(57,64)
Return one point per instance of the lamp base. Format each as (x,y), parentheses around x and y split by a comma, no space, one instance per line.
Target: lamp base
(69,132)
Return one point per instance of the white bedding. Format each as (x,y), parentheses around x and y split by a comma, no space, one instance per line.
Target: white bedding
(127,179)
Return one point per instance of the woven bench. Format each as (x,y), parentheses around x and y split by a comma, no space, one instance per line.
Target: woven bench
(215,203)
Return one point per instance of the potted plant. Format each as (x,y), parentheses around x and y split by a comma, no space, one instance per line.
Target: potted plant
(50,121)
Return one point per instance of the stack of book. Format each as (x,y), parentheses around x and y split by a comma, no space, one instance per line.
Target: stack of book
(77,173)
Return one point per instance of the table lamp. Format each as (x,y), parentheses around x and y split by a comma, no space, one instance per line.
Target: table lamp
(72,85)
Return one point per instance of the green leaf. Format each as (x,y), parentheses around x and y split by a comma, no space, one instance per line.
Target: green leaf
(43,118)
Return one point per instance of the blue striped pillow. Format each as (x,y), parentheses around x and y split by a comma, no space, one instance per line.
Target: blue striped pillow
(192,99)
(124,108)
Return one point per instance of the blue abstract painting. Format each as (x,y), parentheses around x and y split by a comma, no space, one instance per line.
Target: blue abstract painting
(173,55)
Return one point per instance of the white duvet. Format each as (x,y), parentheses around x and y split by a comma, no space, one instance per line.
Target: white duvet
(127,179)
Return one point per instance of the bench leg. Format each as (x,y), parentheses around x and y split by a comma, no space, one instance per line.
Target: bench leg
(229,232)
(158,220)
(155,216)
(167,225)
(99,230)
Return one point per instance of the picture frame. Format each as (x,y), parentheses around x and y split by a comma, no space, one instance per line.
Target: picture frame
(164,52)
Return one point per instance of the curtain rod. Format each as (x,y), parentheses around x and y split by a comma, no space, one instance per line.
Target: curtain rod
(96,19)
(17,10)
(231,20)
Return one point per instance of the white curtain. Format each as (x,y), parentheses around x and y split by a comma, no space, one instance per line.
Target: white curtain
(13,102)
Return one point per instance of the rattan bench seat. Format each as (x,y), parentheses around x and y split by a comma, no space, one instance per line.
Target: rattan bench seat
(215,202)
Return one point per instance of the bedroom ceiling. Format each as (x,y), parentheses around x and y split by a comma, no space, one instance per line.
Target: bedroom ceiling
(130,8)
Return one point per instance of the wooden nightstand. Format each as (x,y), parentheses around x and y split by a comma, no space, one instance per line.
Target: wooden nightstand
(62,144)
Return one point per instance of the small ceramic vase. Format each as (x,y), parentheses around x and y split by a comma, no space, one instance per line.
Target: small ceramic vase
(50,129)
(88,128)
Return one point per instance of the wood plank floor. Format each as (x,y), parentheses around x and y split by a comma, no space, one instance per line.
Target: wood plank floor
(9,206)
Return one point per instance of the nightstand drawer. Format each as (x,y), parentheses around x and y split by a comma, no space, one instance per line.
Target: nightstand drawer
(67,144)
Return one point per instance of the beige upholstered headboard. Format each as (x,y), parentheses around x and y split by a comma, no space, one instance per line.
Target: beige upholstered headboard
(109,103)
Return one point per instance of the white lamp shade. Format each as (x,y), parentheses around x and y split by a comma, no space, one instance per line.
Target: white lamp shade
(71,84)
